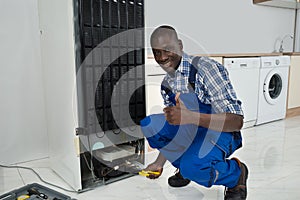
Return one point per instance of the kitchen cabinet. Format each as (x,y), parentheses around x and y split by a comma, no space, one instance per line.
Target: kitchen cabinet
(292,4)
(293,91)
(218,59)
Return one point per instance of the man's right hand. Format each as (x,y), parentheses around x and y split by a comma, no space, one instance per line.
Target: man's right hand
(155,168)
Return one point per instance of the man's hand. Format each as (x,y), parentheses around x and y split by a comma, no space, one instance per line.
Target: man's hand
(155,168)
(179,114)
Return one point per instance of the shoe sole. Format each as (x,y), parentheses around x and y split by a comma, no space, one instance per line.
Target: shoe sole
(246,178)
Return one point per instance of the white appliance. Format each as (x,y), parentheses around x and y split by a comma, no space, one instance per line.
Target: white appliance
(273,86)
(154,101)
(154,76)
(244,76)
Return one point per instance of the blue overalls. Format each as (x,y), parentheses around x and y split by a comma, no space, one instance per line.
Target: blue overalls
(198,152)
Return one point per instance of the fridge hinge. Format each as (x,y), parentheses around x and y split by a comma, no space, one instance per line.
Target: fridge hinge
(80,131)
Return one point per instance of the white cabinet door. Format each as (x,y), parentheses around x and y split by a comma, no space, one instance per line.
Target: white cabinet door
(154,105)
(294,94)
(154,100)
(154,76)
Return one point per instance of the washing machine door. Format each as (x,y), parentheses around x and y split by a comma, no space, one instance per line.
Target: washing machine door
(273,86)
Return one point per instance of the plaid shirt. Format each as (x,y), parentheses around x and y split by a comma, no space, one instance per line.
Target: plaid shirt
(212,85)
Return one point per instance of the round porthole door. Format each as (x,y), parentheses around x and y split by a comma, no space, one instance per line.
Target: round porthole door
(273,87)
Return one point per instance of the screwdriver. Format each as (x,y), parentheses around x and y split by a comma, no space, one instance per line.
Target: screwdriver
(148,173)
(35,191)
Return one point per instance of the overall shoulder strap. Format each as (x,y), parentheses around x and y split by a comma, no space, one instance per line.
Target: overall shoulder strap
(166,87)
(193,71)
(192,77)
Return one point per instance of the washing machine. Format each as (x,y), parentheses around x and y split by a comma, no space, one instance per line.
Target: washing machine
(244,76)
(273,85)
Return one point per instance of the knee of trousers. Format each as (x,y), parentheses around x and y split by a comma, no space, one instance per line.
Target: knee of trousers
(201,171)
(152,124)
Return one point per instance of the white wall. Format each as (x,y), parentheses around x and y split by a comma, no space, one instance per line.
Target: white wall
(219,26)
(232,26)
(22,110)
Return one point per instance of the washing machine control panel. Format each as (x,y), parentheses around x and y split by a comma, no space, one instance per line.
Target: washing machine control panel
(275,61)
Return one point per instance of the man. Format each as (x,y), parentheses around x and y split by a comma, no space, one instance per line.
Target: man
(196,139)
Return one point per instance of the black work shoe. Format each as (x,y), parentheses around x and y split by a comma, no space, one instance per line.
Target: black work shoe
(177,180)
(239,192)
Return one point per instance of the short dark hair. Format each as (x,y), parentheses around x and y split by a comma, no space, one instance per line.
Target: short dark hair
(167,27)
(162,30)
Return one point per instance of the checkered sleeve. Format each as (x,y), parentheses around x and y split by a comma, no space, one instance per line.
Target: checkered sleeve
(220,90)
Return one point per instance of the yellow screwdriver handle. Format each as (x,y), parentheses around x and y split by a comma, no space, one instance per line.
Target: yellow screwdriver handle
(23,197)
(147,173)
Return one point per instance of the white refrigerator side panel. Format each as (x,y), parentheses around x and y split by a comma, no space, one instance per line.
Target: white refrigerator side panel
(58,59)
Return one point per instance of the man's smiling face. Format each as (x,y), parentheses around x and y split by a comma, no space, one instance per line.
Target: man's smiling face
(167,50)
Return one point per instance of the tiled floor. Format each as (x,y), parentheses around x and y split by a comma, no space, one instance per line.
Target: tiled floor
(271,152)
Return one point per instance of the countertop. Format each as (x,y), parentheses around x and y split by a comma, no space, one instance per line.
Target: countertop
(231,55)
(291,53)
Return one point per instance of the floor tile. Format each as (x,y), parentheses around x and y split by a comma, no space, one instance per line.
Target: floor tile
(270,151)
(9,179)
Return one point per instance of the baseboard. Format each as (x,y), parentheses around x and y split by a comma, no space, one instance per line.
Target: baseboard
(292,112)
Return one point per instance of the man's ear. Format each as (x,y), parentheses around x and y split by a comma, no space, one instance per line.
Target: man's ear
(180,44)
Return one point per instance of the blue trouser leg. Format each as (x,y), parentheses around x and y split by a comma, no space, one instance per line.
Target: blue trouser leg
(172,141)
(199,153)
(205,161)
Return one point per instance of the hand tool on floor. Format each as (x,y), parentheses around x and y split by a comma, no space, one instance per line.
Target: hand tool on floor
(23,197)
(147,173)
(35,191)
